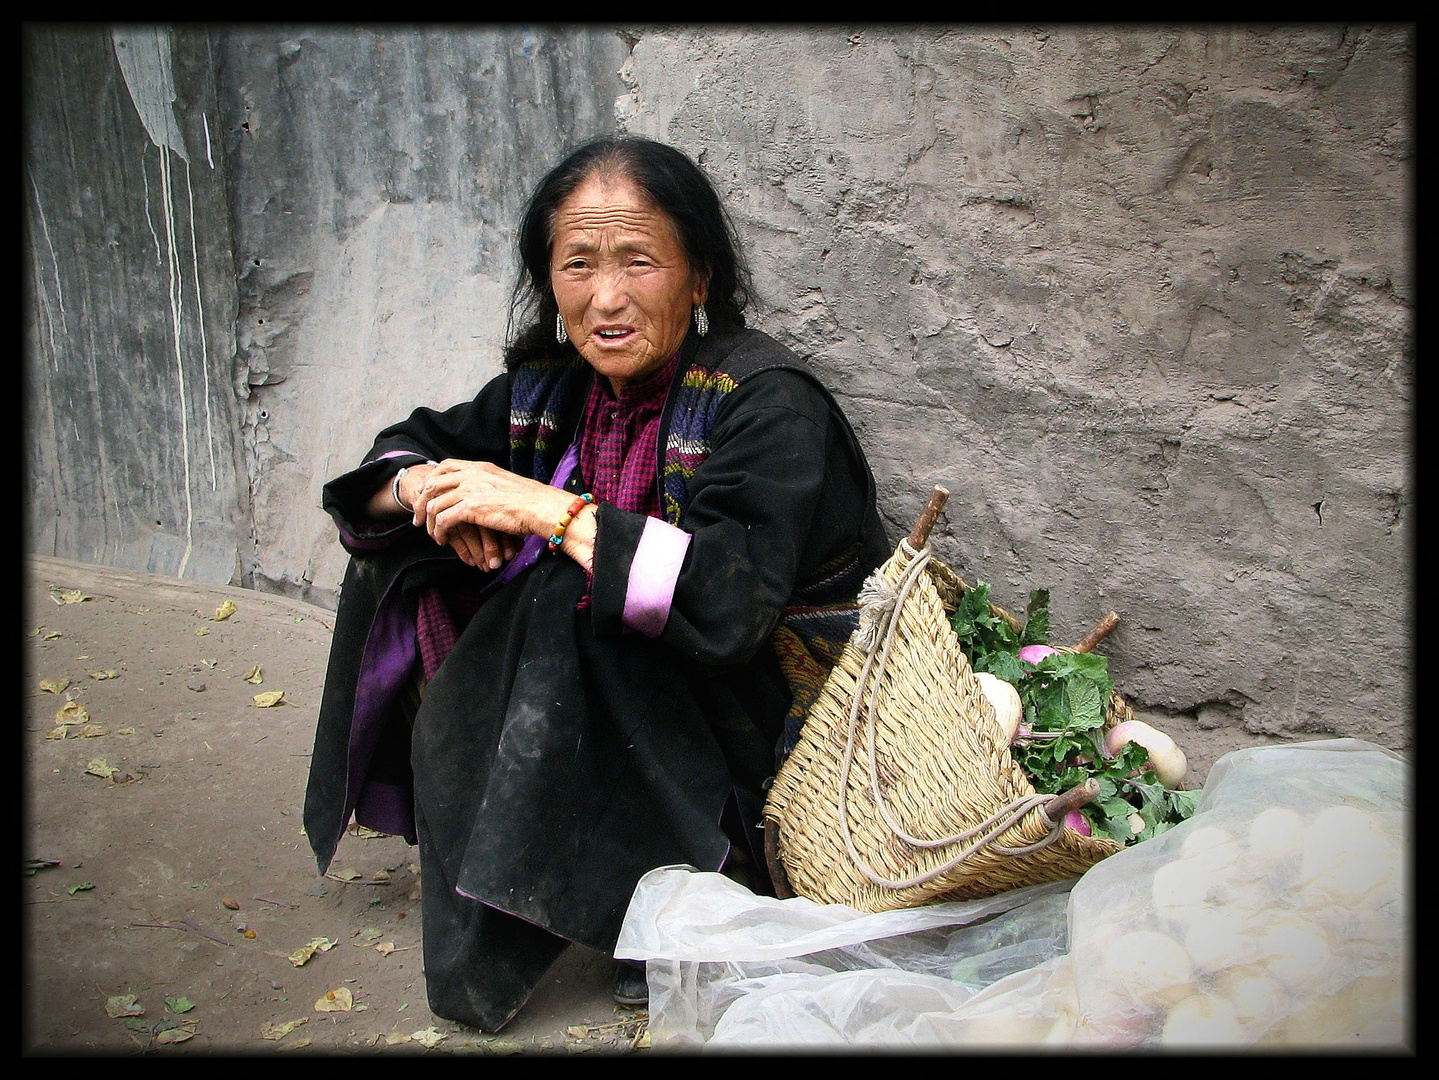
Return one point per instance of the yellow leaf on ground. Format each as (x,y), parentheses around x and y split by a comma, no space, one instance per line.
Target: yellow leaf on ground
(268,699)
(68,596)
(304,952)
(91,731)
(101,676)
(225,610)
(297,1044)
(429,1038)
(275,1032)
(125,731)
(345,875)
(72,712)
(174,1035)
(340,1000)
(101,768)
(54,686)
(384,948)
(201,631)
(254,676)
(366,937)
(50,635)
(57,733)
(123,1005)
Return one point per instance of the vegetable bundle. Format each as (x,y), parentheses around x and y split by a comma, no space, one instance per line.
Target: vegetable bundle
(1057,729)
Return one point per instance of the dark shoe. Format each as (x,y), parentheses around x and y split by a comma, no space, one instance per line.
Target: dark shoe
(631,985)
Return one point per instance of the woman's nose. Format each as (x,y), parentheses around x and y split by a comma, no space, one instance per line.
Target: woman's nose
(610,294)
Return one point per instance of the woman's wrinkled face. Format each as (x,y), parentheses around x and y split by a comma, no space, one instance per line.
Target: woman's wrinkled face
(619,272)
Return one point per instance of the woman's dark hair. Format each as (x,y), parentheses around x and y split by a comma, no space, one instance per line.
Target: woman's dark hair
(670,180)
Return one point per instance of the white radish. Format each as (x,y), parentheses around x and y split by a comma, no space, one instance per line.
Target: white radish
(1165,757)
(1008,709)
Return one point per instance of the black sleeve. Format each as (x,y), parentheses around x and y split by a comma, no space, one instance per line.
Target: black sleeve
(754,501)
(476,430)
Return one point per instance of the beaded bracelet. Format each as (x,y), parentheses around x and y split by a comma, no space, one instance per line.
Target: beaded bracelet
(558,537)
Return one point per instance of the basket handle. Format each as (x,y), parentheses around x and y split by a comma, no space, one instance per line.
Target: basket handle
(1095,636)
(1073,799)
(928,515)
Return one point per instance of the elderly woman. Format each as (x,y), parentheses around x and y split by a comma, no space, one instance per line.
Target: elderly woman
(585,611)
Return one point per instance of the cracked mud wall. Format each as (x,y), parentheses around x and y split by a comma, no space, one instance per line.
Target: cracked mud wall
(1141,298)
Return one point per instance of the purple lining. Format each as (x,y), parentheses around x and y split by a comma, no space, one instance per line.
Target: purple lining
(385,808)
(390,652)
(654,571)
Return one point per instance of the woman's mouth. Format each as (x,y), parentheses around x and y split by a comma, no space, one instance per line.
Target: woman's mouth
(613,333)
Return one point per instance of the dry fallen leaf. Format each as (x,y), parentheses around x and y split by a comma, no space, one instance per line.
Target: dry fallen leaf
(297,1044)
(254,676)
(50,635)
(125,731)
(340,1000)
(92,731)
(231,903)
(72,712)
(101,768)
(429,1038)
(366,937)
(201,631)
(384,948)
(225,610)
(54,686)
(304,952)
(268,699)
(101,676)
(174,1035)
(57,733)
(345,875)
(279,1031)
(123,1005)
(68,596)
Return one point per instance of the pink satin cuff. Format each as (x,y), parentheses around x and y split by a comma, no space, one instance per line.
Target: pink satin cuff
(653,574)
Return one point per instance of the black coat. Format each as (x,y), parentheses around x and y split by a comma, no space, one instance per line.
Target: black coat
(557,756)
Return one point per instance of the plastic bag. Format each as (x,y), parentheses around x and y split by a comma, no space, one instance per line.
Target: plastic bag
(1278,915)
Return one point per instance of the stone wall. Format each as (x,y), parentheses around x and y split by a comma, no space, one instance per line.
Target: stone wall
(1140,297)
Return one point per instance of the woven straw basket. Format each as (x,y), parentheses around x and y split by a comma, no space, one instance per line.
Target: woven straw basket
(902,790)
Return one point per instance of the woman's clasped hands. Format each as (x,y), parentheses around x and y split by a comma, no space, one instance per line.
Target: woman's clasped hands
(484,512)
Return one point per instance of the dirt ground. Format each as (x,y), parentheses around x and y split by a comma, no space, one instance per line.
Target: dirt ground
(167,888)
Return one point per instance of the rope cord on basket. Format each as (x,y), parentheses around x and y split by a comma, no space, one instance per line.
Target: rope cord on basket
(878,622)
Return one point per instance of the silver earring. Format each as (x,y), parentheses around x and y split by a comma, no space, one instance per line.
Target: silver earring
(702,320)
(561,334)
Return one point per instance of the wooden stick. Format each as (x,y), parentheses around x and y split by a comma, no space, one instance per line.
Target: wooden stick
(777,874)
(1072,799)
(919,536)
(1095,636)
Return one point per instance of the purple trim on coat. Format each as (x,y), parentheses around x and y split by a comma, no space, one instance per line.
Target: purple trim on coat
(654,572)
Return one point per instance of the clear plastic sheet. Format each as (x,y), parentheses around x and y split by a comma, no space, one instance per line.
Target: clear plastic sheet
(1279,915)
